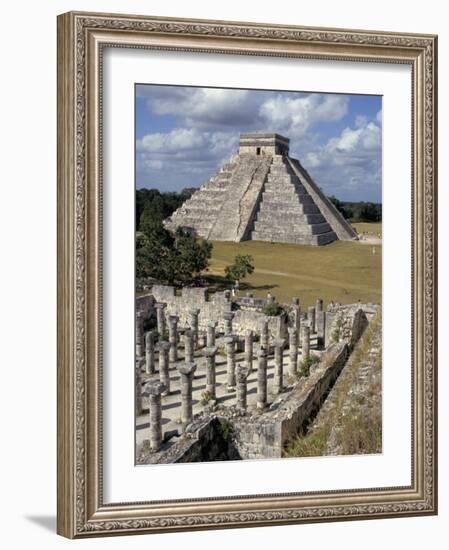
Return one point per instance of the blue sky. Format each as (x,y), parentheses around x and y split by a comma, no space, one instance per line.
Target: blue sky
(184,134)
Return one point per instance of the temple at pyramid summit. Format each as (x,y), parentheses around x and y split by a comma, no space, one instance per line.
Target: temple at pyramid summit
(262,194)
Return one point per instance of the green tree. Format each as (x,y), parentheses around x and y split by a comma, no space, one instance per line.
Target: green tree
(242,266)
(170,258)
(192,255)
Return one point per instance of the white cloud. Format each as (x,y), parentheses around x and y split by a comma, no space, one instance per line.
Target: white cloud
(349,165)
(294,116)
(209,122)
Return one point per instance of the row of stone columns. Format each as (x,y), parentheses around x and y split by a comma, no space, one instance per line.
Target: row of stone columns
(236,375)
(158,388)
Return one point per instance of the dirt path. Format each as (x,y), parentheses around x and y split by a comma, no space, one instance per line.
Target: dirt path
(322,280)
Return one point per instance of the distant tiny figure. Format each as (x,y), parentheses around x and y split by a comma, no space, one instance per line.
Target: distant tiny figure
(374,250)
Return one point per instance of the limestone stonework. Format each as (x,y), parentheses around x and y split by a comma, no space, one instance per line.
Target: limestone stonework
(155,389)
(186,371)
(263,194)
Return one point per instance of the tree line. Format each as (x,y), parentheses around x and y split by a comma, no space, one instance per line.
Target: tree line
(359,211)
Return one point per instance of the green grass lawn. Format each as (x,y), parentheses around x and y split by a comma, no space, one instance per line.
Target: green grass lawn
(342,271)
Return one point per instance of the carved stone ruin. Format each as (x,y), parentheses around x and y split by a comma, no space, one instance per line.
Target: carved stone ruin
(230,358)
(292,350)
(186,371)
(242,373)
(210,352)
(227,318)
(311,318)
(173,337)
(155,390)
(149,352)
(160,316)
(262,194)
(262,378)
(193,316)
(210,334)
(139,335)
(305,341)
(188,346)
(265,335)
(278,365)
(164,373)
(249,337)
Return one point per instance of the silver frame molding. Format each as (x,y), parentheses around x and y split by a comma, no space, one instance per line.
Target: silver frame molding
(81,37)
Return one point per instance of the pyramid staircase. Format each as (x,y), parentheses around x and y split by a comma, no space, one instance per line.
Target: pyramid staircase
(199,213)
(287,212)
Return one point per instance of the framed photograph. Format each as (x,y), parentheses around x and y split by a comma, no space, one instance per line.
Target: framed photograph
(246,274)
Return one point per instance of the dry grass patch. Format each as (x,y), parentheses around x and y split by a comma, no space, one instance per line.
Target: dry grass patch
(342,271)
(354,419)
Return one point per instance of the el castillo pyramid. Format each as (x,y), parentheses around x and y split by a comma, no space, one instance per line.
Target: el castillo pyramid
(262,194)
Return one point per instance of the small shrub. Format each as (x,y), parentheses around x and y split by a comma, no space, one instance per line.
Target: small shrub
(206,397)
(336,333)
(307,364)
(226,429)
(272,309)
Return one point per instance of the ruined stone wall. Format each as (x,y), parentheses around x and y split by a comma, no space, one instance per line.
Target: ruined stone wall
(145,304)
(252,320)
(212,308)
(302,409)
(255,439)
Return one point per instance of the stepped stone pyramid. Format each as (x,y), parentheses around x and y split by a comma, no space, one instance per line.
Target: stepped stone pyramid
(262,194)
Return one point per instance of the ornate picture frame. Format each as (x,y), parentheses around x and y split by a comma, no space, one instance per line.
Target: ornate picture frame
(82,38)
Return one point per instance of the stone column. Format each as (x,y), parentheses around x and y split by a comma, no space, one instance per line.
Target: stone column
(155,390)
(305,341)
(311,318)
(228,316)
(186,371)
(242,372)
(160,316)
(149,352)
(138,381)
(295,313)
(210,352)
(279,344)
(164,374)
(323,330)
(193,322)
(293,350)
(139,335)
(188,346)
(230,356)
(262,378)
(265,335)
(173,337)
(249,336)
(202,340)
(210,337)
(320,320)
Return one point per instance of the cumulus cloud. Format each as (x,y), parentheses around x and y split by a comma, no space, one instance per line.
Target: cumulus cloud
(172,160)
(350,163)
(295,115)
(208,122)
